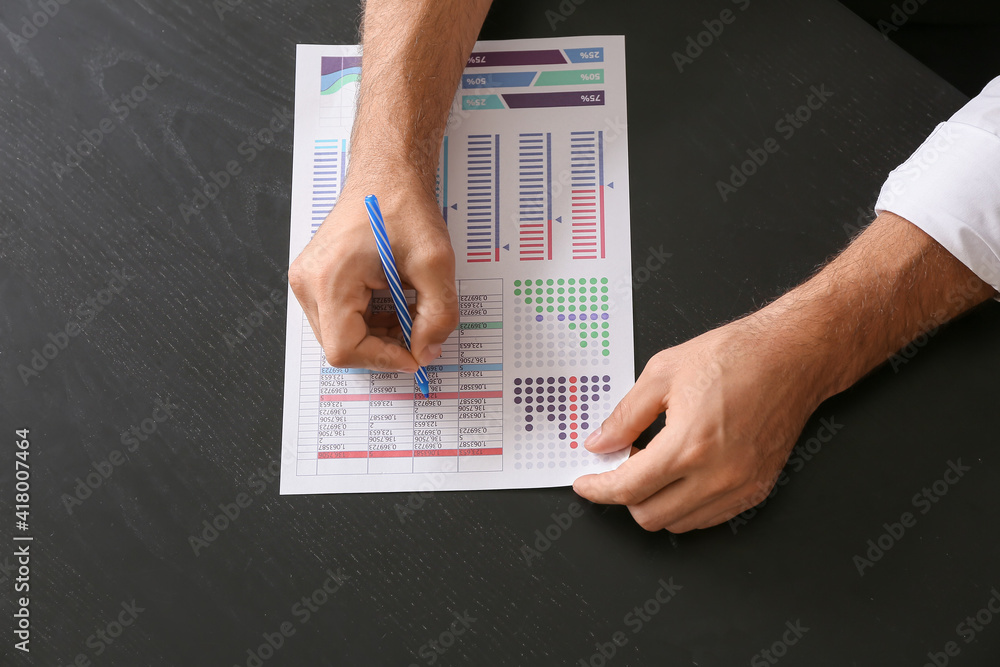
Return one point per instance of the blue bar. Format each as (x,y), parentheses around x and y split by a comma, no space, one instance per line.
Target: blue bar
(548,170)
(600,159)
(496,193)
(595,55)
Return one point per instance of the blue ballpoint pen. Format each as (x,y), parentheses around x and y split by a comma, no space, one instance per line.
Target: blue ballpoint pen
(395,285)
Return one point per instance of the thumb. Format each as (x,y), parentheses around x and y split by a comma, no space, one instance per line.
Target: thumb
(636,411)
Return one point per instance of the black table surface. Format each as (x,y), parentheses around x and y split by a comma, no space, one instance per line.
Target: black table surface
(114,577)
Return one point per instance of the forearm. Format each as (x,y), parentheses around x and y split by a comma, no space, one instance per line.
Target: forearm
(890,285)
(414,52)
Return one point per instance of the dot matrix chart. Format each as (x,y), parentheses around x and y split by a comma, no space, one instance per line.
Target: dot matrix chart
(532,183)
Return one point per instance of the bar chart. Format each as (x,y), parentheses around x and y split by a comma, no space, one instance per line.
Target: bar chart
(483,198)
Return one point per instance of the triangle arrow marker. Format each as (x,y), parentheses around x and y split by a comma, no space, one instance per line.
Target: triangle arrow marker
(507,247)
(559,219)
(611,185)
(454,206)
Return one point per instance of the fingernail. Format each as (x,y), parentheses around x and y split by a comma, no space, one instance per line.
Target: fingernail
(431,352)
(592,439)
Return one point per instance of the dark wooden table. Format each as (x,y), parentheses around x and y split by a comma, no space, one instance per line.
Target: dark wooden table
(147,424)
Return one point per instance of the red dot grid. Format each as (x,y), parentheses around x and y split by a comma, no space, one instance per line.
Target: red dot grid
(573,444)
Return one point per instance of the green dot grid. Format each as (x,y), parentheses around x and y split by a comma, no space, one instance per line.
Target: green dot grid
(570,295)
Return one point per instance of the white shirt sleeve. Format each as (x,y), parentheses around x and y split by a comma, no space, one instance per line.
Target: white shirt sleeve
(950,187)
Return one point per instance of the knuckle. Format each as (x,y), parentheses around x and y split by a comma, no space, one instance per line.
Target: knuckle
(297,277)
(438,256)
(659,361)
(337,355)
(646,520)
(382,362)
(750,497)
(678,527)
(622,414)
(730,479)
(622,494)
(693,457)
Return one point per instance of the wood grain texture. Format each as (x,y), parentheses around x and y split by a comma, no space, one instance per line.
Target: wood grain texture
(163,338)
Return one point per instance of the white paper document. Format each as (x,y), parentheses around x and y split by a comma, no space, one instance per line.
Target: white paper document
(533,185)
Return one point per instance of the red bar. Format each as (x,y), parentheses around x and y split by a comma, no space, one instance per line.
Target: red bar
(550,239)
(343,455)
(498,253)
(496,451)
(391,454)
(602,222)
(435,452)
